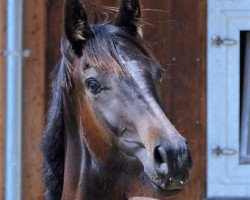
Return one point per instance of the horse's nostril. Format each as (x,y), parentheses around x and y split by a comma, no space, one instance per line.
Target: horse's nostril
(160,155)
(160,158)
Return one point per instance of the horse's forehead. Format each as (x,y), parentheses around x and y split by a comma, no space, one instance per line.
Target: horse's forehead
(132,59)
(135,69)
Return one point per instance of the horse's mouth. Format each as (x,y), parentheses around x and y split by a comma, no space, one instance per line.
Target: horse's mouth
(172,186)
(166,190)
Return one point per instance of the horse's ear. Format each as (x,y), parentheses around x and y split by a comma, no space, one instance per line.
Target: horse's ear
(75,24)
(129,16)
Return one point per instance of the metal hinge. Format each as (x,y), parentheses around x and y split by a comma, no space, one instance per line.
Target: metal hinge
(217,41)
(218,151)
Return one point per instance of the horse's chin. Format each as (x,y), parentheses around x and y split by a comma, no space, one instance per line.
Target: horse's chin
(165,191)
(157,189)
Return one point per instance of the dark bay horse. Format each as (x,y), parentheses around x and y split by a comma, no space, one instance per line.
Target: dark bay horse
(106,129)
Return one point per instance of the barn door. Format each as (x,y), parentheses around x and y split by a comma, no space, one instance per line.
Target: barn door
(228,99)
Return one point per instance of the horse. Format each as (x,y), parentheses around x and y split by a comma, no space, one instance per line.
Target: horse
(106,130)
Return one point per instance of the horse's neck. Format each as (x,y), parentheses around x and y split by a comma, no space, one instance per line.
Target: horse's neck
(83,177)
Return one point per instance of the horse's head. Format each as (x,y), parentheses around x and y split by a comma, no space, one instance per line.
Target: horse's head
(118,90)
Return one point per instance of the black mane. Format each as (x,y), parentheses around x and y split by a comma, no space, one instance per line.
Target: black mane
(53,137)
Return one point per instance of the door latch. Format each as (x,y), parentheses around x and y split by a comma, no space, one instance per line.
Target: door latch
(217,41)
(218,151)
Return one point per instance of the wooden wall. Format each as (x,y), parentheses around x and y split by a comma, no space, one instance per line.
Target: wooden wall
(176,32)
(34,96)
(182,51)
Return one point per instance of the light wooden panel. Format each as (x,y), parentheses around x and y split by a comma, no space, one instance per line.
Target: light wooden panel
(227,176)
(34,97)
(2,95)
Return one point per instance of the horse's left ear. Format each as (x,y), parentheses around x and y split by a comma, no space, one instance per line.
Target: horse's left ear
(129,16)
(76,26)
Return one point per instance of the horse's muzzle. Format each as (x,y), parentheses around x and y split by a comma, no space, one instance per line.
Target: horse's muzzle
(172,165)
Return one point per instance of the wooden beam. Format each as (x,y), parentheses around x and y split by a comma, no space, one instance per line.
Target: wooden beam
(34,97)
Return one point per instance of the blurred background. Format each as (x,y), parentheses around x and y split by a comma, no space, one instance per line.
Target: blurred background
(203,44)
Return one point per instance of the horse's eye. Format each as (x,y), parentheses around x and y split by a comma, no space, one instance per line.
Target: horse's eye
(93,86)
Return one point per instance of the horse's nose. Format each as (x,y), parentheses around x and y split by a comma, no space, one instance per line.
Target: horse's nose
(173,163)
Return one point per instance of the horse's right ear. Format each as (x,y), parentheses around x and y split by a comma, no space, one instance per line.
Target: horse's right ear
(129,16)
(75,24)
